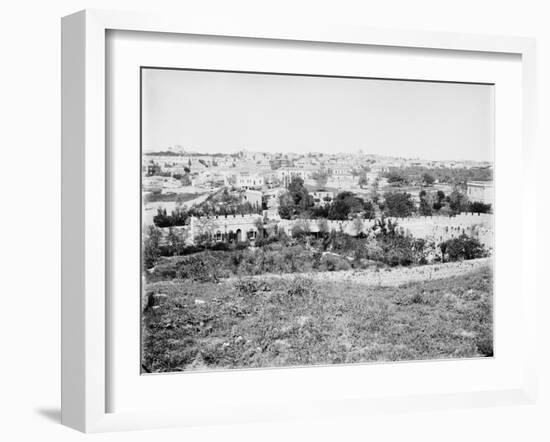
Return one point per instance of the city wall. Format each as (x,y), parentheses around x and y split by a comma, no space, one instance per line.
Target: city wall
(436,228)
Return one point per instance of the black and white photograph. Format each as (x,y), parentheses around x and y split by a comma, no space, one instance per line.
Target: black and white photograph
(299,220)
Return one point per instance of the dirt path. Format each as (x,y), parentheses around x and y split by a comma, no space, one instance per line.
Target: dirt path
(390,277)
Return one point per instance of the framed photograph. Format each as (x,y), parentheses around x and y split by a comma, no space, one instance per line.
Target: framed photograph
(263,222)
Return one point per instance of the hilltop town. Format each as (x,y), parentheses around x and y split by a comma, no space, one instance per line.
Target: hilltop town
(181,188)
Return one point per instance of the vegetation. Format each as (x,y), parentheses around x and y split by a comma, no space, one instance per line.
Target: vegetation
(395,177)
(362,180)
(428,179)
(345,206)
(479,207)
(298,203)
(463,247)
(384,244)
(151,247)
(398,204)
(417,174)
(296,200)
(200,325)
(180,198)
(458,201)
(220,204)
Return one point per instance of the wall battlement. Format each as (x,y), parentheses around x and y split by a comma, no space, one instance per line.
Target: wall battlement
(436,228)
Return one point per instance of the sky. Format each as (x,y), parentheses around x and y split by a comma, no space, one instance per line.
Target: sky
(222,112)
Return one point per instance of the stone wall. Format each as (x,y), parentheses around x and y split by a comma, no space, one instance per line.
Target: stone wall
(436,228)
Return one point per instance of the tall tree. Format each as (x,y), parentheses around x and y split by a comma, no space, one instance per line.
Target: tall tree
(295,200)
(428,179)
(151,247)
(458,201)
(363,180)
(345,204)
(398,204)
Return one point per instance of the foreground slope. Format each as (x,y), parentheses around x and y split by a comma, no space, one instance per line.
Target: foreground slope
(304,320)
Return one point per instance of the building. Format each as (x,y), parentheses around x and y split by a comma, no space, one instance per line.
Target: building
(322,197)
(286,174)
(340,170)
(249,181)
(480,191)
(277,163)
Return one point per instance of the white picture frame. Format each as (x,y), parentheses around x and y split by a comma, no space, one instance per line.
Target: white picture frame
(86,316)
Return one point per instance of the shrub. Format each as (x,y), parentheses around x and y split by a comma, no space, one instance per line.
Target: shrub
(223,246)
(345,205)
(250,286)
(151,248)
(299,290)
(463,247)
(484,344)
(333,263)
(300,229)
(479,207)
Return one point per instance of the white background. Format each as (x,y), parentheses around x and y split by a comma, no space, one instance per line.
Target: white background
(30,221)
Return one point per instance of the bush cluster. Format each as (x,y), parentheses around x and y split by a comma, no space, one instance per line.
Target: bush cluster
(461,248)
(277,253)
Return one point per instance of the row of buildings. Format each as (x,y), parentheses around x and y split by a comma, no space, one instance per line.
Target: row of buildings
(262,177)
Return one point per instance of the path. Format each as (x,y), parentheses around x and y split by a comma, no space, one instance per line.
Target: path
(391,277)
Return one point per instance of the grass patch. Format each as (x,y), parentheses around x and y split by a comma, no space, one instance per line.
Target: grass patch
(202,324)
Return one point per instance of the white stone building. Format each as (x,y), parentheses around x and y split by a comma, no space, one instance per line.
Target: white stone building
(249,181)
(480,191)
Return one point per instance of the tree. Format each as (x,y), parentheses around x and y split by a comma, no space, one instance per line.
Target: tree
(369,210)
(358,226)
(186,180)
(151,247)
(463,247)
(374,194)
(176,241)
(324,229)
(286,206)
(259,223)
(204,230)
(363,180)
(479,207)
(425,207)
(396,178)
(385,227)
(398,204)
(439,199)
(299,193)
(393,247)
(295,200)
(161,219)
(344,205)
(458,202)
(428,179)
(300,228)
(320,211)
